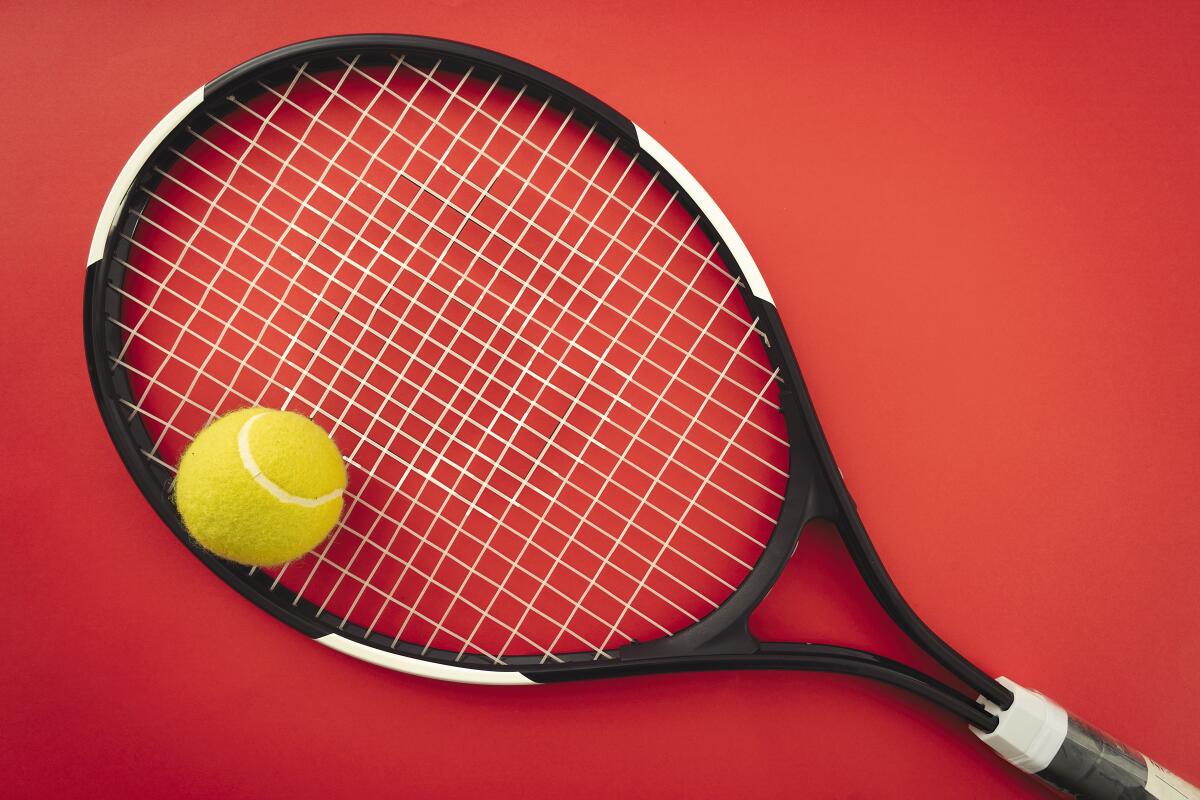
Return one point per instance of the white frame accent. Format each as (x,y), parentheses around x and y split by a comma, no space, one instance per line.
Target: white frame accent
(1030,732)
(137,160)
(709,207)
(422,669)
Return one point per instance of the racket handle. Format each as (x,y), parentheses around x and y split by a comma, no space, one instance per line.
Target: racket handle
(1040,737)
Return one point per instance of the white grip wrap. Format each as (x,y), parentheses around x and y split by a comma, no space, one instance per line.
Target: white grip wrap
(1030,731)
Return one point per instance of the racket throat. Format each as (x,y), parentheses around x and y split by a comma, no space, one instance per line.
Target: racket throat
(726,631)
(699,640)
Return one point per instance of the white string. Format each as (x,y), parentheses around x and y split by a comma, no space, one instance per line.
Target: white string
(735,414)
(512,390)
(292,226)
(213,205)
(515,244)
(407,436)
(639,215)
(319,557)
(641,583)
(449,404)
(591,439)
(363,328)
(732,527)
(369,218)
(629,517)
(736,529)
(684,557)
(432,372)
(565,451)
(491,375)
(534,402)
(352,559)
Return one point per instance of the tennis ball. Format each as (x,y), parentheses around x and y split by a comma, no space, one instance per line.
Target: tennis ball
(260,486)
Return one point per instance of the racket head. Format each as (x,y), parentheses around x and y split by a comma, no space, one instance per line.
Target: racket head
(790,485)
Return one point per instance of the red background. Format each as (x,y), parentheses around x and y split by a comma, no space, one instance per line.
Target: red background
(980,225)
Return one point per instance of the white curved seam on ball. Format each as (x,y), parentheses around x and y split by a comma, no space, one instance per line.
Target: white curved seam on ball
(280,494)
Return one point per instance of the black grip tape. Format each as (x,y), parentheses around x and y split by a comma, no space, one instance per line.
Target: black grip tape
(1094,766)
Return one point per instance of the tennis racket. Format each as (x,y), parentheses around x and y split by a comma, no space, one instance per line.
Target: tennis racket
(578,443)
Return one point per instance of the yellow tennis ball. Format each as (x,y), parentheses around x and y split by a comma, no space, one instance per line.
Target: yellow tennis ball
(260,486)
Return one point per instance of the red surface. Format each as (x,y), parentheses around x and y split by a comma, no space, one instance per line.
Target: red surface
(980,226)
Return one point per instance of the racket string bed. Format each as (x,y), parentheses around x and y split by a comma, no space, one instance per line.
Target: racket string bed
(175,204)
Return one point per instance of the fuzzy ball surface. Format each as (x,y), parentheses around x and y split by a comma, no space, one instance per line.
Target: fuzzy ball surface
(260,486)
